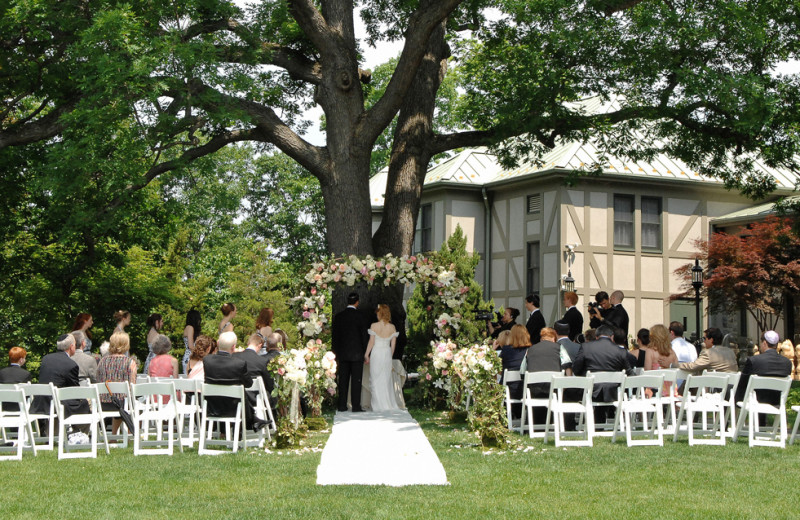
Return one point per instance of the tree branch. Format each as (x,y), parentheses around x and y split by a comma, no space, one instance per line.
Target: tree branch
(295,63)
(43,128)
(421,24)
(312,24)
(210,147)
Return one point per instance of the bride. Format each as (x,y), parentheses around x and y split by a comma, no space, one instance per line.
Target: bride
(382,337)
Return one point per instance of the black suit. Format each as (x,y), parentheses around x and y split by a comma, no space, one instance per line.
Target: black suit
(618,317)
(602,355)
(224,369)
(257,367)
(59,369)
(575,320)
(10,375)
(349,343)
(767,364)
(571,347)
(535,325)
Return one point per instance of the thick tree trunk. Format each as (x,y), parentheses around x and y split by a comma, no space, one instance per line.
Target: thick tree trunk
(410,152)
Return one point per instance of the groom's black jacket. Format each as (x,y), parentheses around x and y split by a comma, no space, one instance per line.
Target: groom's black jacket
(349,336)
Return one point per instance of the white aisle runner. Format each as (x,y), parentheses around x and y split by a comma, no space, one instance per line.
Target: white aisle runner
(379,448)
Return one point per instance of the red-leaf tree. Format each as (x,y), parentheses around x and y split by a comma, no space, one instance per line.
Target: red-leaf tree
(755,268)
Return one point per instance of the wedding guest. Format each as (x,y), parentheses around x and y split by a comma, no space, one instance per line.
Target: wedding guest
(104,347)
(155,323)
(562,331)
(116,367)
(621,339)
(281,343)
(641,348)
(191,332)
(162,365)
(685,351)
(504,338)
(59,369)
(228,313)
(87,365)
(224,368)
(202,347)
(512,356)
(284,341)
(83,322)
(123,319)
(660,353)
(545,356)
(714,356)
(768,363)
(264,323)
(590,335)
(14,373)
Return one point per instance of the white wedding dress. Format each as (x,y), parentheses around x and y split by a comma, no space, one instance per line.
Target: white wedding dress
(381,382)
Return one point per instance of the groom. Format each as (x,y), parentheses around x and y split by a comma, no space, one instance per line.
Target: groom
(349,343)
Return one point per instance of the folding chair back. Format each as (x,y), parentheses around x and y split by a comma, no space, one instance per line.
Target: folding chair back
(558,406)
(159,409)
(512,376)
(188,406)
(635,400)
(237,421)
(529,402)
(263,407)
(15,419)
(752,407)
(703,394)
(92,418)
(46,391)
(116,387)
(616,378)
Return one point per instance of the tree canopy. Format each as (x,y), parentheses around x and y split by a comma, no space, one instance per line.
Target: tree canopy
(113,95)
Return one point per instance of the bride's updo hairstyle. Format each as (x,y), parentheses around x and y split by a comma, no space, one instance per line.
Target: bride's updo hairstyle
(384,314)
(121,315)
(228,308)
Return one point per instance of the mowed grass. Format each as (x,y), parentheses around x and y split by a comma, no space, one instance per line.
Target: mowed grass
(528,480)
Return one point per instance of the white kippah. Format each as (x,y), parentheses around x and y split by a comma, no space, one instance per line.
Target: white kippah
(772,337)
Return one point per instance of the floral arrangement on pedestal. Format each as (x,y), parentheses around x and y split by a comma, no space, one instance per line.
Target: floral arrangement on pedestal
(321,367)
(291,375)
(477,368)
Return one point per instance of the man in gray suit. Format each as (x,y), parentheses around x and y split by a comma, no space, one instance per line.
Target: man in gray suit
(87,365)
(572,348)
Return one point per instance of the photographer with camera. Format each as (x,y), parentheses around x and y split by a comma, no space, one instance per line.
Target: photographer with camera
(505,322)
(598,309)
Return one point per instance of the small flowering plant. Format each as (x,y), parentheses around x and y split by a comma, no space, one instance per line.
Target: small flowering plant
(290,372)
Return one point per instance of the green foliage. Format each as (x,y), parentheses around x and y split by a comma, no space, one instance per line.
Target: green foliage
(421,313)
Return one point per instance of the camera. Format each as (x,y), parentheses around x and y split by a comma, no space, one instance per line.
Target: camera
(592,305)
(484,315)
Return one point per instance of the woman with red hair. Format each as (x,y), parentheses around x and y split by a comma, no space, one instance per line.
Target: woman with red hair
(83,322)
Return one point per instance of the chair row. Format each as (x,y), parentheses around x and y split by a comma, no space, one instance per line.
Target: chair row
(648,407)
(171,411)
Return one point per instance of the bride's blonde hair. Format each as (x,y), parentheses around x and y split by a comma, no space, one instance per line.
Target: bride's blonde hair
(384,314)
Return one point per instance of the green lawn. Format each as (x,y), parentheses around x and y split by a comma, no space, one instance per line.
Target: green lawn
(606,481)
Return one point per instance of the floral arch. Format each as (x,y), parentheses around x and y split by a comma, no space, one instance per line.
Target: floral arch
(312,369)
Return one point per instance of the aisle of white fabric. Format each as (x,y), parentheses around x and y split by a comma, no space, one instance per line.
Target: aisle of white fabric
(379,448)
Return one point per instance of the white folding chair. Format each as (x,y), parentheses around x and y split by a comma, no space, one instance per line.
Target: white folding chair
(188,405)
(16,419)
(729,403)
(150,406)
(703,394)
(116,387)
(263,409)
(635,401)
(46,392)
(751,407)
(142,378)
(92,418)
(236,422)
(529,402)
(670,401)
(558,407)
(606,429)
(796,409)
(512,376)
